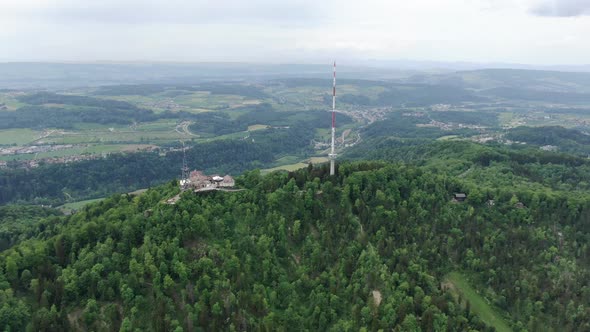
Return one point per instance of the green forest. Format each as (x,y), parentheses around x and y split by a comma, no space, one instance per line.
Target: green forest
(368,249)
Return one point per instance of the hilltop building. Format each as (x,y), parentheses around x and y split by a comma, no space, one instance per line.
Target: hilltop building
(459,197)
(198,180)
(227,182)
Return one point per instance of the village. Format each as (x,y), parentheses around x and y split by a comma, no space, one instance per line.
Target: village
(34,163)
(7,151)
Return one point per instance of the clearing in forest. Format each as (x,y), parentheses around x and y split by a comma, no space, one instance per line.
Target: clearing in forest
(297,165)
(257,127)
(458,285)
(70,207)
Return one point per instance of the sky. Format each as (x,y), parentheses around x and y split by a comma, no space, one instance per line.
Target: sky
(538,32)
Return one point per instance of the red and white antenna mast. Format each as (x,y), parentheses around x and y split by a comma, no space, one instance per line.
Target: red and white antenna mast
(332,154)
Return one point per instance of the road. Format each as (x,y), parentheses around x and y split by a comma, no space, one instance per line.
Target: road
(182,128)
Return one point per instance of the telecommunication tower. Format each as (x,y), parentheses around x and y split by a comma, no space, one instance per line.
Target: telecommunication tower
(332,154)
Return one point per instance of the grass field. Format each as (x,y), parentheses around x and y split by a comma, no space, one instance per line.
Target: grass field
(257,127)
(206,100)
(237,135)
(193,102)
(289,167)
(156,132)
(318,160)
(68,207)
(138,192)
(293,166)
(18,136)
(10,102)
(447,138)
(460,286)
(323,133)
(287,160)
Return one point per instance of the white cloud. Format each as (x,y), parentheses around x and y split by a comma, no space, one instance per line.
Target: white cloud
(562,8)
(162,11)
(289,31)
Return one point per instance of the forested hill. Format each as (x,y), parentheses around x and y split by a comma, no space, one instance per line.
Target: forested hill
(562,139)
(368,249)
(485,166)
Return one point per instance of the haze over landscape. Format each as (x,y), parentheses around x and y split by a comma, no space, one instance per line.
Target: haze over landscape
(207,166)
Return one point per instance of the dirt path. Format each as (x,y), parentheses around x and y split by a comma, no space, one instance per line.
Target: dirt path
(45,134)
(377,297)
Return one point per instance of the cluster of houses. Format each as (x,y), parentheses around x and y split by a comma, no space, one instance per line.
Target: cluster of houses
(197,180)
(33,163)
(34,149)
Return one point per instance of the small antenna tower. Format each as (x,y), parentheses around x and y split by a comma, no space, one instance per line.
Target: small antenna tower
(332,154)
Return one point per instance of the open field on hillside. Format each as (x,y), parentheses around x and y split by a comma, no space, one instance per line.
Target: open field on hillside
(448,137)
(68,207)
(289,167)
(459,286)
(257,127)
(295,165)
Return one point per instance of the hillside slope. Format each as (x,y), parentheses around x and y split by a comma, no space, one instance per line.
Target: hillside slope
(369,248)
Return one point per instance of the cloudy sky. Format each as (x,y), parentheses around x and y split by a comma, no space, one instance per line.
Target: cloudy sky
(540,32)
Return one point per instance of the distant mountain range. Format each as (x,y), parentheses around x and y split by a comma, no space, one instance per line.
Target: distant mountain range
(479,76)
(461,66)
(62,75)
(515,79)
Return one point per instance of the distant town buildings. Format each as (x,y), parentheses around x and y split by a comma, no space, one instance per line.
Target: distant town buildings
(36,159)
(33,149)
(552,148)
